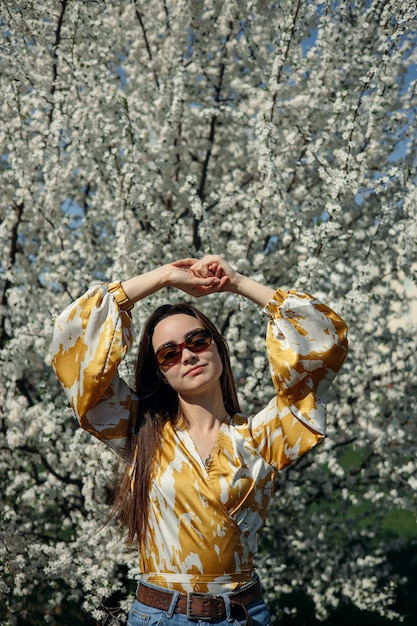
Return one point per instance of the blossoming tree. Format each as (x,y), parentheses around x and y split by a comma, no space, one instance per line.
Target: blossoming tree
(279,134)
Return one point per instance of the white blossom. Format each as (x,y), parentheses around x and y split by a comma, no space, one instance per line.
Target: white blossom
(283,139)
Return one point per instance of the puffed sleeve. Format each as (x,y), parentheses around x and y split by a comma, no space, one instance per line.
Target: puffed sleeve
(306,345)
(91,337)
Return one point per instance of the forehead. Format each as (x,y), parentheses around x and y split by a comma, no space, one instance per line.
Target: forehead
(174,328)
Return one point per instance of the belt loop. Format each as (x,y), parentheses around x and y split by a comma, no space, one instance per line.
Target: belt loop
(242,607)
(172,606)
(228,607)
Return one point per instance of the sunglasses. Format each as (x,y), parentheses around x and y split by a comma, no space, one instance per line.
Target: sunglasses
(196,341)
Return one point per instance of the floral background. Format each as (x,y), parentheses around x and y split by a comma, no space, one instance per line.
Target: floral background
(280,135)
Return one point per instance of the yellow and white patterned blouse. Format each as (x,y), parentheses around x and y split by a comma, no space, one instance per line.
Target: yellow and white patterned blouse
(204,522)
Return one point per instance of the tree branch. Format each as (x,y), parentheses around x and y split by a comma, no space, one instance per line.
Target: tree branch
(55,58)
(7,283)
(287,50)
(211,137)
(62,478)
(146,40)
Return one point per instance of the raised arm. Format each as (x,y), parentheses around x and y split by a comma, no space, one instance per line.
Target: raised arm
(91,337)
(177,274)
(306,346)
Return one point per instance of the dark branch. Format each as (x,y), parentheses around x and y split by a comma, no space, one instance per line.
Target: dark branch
(55,45)
(7,284)
(211,137)
(147,45)
(287,50)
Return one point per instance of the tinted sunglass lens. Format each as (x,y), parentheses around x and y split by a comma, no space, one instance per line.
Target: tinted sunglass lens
(168,356)
(197,341)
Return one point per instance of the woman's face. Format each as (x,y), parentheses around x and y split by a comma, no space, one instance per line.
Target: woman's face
(194,373)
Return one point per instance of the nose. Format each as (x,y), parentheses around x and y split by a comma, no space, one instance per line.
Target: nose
(187,355)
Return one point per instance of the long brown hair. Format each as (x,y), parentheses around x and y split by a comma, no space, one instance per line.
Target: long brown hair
(158,403)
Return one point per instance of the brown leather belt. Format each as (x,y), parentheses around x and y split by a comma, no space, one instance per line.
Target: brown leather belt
(201,605)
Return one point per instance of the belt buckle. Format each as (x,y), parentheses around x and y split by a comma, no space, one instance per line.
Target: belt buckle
(192,597)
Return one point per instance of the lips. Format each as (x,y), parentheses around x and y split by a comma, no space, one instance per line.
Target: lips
(193,371)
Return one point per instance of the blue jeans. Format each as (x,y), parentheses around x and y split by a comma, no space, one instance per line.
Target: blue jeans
(143,615)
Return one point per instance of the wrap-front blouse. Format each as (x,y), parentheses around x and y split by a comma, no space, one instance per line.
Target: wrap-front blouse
(204,522)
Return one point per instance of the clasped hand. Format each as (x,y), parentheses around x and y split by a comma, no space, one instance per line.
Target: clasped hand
(200,277)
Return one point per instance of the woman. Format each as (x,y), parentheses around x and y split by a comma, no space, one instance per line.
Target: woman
(199,475)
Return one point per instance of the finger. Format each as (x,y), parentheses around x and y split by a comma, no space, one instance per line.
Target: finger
(199,290)
(192,280)
(223,282)
(219,271)
(216,269)
(188,262)
(201,269)
(216,284)
(206,291)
